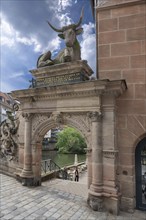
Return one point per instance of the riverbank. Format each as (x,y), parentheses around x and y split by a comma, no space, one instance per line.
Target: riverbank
(62,160)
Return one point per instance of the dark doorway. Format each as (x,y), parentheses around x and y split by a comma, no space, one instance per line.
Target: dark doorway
(140,166)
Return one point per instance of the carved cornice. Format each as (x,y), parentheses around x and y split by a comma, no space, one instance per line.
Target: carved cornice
(84,89)
(112,5)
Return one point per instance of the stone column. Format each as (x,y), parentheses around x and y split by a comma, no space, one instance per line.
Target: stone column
(95,192)
(89,166)
(27,174)
(96,185)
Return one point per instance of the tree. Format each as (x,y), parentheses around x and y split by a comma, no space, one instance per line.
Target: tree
(70,140)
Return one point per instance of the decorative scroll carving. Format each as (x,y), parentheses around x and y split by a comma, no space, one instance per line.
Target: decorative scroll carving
(9,137)
(111,154)
(95,116)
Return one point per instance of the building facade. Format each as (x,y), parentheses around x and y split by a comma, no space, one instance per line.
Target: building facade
(121,54)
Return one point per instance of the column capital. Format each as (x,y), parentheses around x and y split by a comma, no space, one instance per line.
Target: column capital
(95,116)
(27,116)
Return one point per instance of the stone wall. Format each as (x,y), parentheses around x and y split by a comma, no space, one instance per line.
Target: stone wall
(121,45)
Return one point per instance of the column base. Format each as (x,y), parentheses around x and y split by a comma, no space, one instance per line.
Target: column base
(102,203)
(96,203)
(31,181)
(27,178)
(96,188)
(26,174)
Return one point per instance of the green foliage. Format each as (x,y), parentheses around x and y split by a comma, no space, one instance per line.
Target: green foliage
(70,141)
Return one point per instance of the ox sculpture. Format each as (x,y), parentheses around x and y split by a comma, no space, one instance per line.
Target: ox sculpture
(72,50)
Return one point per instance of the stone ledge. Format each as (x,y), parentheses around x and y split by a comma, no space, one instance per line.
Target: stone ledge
(113,4)
(62,69)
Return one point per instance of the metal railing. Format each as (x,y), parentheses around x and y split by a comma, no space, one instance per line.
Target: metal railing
(48,166)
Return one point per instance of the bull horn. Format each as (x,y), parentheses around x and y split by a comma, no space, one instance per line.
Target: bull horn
(80,20)
(55,29)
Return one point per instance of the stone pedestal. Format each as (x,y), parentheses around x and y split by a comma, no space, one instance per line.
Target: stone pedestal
(60,74)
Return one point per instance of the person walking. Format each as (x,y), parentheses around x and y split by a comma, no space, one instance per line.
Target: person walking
(76,174)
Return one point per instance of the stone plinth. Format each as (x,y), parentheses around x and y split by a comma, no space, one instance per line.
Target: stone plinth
(63,73)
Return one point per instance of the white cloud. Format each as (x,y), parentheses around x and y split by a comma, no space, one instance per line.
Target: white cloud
(7,86)
(10,37)
(17,74)
(54,44)
(7,34)
(64,19)
(63,4)
(88,45)
(59,7)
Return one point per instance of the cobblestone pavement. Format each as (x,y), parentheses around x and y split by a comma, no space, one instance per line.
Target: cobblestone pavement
(50,201)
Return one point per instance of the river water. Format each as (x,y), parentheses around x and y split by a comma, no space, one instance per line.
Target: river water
(62,159)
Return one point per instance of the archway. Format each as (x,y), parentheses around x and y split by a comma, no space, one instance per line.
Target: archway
(140,171)
(88,106)
(41,123)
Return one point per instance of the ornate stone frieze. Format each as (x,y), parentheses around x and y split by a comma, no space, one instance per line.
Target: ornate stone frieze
(81,118)
(111,154)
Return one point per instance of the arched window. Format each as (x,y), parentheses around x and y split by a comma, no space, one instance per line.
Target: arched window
(140,168)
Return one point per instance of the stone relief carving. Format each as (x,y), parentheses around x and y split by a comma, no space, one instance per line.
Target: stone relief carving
(95,116)
(9,137)
(39,119)
(71,52)
(57,117)
(79,120)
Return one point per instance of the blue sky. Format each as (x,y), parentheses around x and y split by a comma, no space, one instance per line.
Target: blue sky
(25,35)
